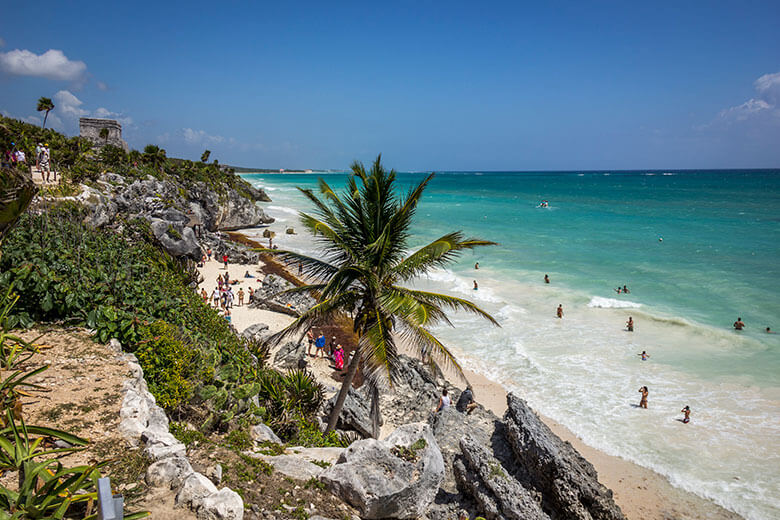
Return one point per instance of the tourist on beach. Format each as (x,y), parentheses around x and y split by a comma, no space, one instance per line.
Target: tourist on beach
(643,401)
(476,266)
(687,412)
(227,315)
(466,402)
(739,325)
(204,295)
(45,170)
(226,276)
(225,260)
(247,275)
(310,339)
(208,254)
(338,357)
(230,297)
(215,297)
(475,285)
(319,343)
(251,297)
(444,401)
(625,290)
(559,312)
(546,279)
(630,324)
(644,355)
(240,297)
(332,346)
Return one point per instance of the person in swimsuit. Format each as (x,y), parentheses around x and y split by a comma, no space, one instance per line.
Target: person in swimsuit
(644,355)
(618,290)
(559,312)
(444,401)
(625,290)
(546,279)
(630,324)
(310,339)
(476,266)
(739,324)
(204,295)
(475,285)
(643,401)
(687,412)
(769,331)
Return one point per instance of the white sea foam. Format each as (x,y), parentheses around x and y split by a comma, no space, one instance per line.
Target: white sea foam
(611,303)
(284,209)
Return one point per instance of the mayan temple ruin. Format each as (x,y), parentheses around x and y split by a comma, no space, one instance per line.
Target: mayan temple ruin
(91,128)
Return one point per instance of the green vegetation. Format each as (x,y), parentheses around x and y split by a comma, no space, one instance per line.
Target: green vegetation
(409,454)
(364,232)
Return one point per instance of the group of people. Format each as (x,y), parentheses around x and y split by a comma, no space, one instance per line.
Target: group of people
(686,411)
(16,156)
(465,404)
(334,350)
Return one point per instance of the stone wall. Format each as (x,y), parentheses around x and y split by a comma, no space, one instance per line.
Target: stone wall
(90,128)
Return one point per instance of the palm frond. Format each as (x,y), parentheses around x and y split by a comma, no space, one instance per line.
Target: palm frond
(322,313)
(436,254)
(444,300)
(378,347)
(309,265)
(428,346)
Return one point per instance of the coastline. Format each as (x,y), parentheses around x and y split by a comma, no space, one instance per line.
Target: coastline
(640,492)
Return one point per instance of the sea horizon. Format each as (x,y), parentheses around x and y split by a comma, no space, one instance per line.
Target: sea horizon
(694,257)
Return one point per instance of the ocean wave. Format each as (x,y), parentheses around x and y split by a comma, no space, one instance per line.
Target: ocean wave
(283,209)
(611,303)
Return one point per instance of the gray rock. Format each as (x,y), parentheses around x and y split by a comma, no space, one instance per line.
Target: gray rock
(329,455)
(290,354)
(291,465)
(256,332)
(214,473)
(290,231)
(262,433)
(178,240)
(271,296)
(567,482)
(225,504)
(168,473)
(193,490)
(159,451)
(372,477)
(355,415)
(499,495)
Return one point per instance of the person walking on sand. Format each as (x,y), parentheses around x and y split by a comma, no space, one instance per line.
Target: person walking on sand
(208,254)
(644,355)
(332,346)
(687,412)
(444,401)
(338,357)
(204,295)
(739,325)
(559,312)
(630,324)
(643,401)
(546,279)
(319,343)
(44,163)
(310,339)
(225,260)
(240,297)
(215,297)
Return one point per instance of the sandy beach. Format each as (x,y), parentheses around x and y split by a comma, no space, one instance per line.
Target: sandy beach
(641,493)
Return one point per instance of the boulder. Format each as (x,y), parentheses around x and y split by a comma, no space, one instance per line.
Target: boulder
(499,495)
(292,466)
(257,332)
(193,490)
(567,482)
(178,240)
(168,473)
(290,354)
(329,455)
(214,473)
(225,504)
(262,433)
(355,414)
(290,231)
(395,478)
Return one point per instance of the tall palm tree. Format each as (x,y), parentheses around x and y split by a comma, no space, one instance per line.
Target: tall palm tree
(363,235)
(46,104)
(155,156)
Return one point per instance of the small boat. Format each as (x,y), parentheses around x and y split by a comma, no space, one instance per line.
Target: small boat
(544,204)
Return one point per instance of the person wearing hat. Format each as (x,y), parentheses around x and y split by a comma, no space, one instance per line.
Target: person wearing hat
(45,171)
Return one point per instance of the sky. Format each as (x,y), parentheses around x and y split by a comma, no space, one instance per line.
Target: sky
(430,85)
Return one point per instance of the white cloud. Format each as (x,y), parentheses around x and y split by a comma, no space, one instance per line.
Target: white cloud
(106,113)
(765,103)
(102,86)
(200,137)
(52,64)
(69,105)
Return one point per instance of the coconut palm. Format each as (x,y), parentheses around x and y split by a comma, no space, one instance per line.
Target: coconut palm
(46,104)
(363,234)
(204,158)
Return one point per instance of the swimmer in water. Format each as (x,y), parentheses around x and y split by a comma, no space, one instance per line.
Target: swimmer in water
(687,412)
(559,312)
(475,285)
(630,324)
(546,279)
(644,355)
(769,331)
(618,290)
(739,324)
(625,290)
(476,266)
(643,401)
(660,239)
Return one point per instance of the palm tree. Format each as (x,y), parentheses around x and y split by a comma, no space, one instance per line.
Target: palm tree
(204,158)
(155,156)
(363,234)
(46,104)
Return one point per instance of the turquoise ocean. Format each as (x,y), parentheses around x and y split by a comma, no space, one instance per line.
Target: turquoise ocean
(719,259)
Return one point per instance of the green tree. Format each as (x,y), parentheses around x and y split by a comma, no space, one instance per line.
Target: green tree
(204,158)
(16,193)
(364,234)
(155,156)
(46,104)
(104,135)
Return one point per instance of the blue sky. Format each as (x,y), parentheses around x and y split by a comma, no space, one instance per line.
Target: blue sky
(469,86)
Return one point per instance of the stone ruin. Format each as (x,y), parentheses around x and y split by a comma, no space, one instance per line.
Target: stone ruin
(90,128)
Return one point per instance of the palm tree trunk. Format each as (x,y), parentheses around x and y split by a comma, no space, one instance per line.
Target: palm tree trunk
(45,118)
(375,414)
(345,386)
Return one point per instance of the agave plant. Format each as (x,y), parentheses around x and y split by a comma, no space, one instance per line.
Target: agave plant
(14,350)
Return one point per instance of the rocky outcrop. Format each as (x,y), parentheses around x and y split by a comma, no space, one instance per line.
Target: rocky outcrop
(499,495)
(395,478)
(566,481)
(176,238)
(261,433)
(355,414)
(271,296)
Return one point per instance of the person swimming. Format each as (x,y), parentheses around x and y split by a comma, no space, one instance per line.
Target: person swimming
(687,412)
(625,290)
(644,355)
(546,279)
(739,324)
